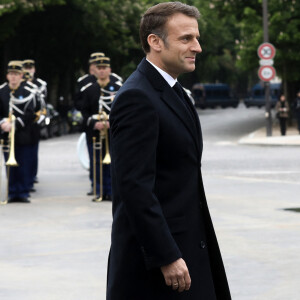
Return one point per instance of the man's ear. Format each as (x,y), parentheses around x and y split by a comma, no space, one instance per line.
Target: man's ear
(154,42)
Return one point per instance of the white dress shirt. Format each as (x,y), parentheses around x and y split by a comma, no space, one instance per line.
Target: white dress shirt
(169,79)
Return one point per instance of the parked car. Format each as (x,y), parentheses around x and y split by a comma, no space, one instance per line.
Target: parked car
(212,95)
(256,96)
(51,125)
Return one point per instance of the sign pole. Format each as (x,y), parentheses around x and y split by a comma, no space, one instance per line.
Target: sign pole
(268,112)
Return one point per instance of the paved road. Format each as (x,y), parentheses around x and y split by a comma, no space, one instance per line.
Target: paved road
(56,247)
(248,188)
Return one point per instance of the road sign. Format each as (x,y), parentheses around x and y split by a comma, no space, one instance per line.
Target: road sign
(266,51)
(266,73)
(266,62)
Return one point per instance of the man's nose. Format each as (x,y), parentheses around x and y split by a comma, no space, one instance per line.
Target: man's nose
(196,47)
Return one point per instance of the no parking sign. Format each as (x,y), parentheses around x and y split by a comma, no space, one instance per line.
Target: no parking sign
(266,53)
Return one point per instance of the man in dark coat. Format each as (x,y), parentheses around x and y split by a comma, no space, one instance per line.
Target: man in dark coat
(163,243)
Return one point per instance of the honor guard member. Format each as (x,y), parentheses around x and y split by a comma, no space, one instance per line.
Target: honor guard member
(39,88)
(29,67)
(98,98)
(88,79)
(16,112)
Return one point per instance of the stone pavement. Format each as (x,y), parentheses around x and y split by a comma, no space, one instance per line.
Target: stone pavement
(258,137)
(56,248)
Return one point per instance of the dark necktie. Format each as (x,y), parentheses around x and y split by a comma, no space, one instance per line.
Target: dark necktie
(179,91)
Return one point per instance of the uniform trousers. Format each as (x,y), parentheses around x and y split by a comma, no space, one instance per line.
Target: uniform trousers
(106,171)
(20,177)
(35,162)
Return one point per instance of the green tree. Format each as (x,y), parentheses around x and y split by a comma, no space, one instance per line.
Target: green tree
(284,34)
(60,35)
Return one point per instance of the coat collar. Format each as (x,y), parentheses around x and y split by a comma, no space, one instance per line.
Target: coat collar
(169,96)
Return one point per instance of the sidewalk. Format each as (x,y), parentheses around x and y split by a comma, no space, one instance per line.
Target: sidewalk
(258,137)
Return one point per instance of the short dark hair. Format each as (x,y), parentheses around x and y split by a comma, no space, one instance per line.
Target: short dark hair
(156,17)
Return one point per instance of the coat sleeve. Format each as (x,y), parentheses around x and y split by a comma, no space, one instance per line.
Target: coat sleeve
(86,110)
(134,136)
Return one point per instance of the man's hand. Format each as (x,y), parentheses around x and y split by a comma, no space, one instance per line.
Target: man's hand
(100,125)
(6,126)
(177,275)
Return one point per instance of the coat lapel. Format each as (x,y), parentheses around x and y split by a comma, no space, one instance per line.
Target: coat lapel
(172,100)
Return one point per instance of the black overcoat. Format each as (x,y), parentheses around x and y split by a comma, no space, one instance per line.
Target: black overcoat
(159,208)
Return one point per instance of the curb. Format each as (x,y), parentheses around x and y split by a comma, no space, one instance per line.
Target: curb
(258,138)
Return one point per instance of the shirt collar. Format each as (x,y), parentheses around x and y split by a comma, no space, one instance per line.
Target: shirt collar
(169,79)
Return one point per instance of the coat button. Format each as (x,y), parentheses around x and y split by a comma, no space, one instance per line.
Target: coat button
(202,244)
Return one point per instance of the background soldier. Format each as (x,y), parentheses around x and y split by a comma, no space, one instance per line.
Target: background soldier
(17,101)
(98,98)
(39,88)
(88,79)
(29,66)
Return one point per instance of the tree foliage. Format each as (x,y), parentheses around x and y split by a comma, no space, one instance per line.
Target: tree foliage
(61,34)
(284,34)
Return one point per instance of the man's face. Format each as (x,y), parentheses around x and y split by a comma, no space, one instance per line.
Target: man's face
(14,78)
(31,71)
(102,73)
(178,54)
(92,68)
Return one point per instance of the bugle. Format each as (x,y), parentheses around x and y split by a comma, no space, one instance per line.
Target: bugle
(103,135)
(11,161)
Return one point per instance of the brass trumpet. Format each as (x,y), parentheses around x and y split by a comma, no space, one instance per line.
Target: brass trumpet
(10,148)
(11,162)
(103,134)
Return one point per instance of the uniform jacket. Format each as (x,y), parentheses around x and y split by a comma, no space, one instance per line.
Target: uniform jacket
(86,81)
(159,207)
(38,88)
(91,105)
(23,110)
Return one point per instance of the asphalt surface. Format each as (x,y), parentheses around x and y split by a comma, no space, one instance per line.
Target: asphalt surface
(56,247)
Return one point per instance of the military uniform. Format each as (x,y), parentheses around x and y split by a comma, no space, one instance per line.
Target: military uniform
(96,99)
(19,102)
(87,80)
(39,88)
